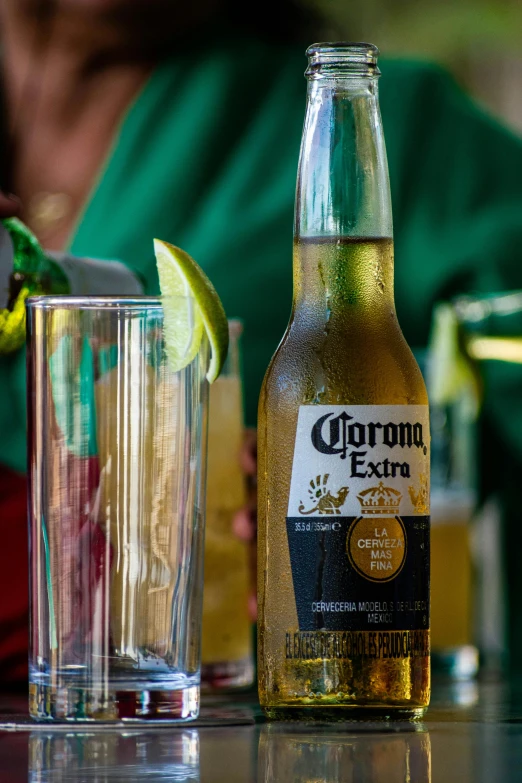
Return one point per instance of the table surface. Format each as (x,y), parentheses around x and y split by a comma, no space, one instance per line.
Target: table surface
(472,732)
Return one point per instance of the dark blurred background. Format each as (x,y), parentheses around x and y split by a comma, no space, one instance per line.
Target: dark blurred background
(479,41)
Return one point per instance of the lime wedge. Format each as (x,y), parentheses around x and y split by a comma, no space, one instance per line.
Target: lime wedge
(180,276)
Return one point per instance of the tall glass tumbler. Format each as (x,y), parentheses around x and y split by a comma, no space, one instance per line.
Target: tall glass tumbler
(117,457)
(227,638)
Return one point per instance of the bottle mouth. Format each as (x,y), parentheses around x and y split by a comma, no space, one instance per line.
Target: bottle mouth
(342,58)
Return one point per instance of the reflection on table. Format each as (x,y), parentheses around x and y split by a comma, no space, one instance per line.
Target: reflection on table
(305,754)
(472,734)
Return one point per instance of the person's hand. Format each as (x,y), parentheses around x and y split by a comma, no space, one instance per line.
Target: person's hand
(9,206)
(245,521)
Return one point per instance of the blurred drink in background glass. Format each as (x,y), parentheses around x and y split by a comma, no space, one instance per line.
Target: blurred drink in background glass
(452,574)
(227,654)
(452,391)
(490,333)
(471,337)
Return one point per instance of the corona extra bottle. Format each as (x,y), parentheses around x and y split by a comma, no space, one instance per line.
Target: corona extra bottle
(343,435)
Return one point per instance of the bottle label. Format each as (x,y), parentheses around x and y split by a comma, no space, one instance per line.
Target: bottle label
(6,265)
(358,518)
(96,277)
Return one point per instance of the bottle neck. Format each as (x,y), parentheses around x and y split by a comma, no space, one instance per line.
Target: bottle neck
(343,196)
(343,188)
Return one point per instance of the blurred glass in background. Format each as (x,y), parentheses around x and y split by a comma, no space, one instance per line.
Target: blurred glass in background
(473,369)
(453,422)
(227,639)
(490,338)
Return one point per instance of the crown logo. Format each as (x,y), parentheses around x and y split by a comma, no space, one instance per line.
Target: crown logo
(420,498)
(380,500)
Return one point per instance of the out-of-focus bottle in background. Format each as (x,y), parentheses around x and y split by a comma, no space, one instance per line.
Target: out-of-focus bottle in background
(27,270)
(227,651)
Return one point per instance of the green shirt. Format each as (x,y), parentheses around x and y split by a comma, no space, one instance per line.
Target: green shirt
(207,159)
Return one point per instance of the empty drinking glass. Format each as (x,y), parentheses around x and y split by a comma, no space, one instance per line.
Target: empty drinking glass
(117,455)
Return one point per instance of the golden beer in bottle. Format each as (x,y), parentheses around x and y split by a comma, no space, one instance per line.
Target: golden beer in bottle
(343,435)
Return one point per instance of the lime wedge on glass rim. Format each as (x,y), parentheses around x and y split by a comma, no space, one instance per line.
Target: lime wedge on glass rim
(202,311)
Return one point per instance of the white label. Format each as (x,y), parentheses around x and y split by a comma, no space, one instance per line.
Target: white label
(96,277)
(361,459)
(6,265)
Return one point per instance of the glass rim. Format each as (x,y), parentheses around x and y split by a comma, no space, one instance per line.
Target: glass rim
(472,308)
(342,60)
(75,302)
(357,49)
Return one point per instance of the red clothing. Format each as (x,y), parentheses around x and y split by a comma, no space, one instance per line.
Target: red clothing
(14,588)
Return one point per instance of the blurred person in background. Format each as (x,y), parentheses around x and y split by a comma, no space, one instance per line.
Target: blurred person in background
(9,205)
(129,119)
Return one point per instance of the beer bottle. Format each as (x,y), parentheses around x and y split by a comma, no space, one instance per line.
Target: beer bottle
(25,270)
(343,435)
